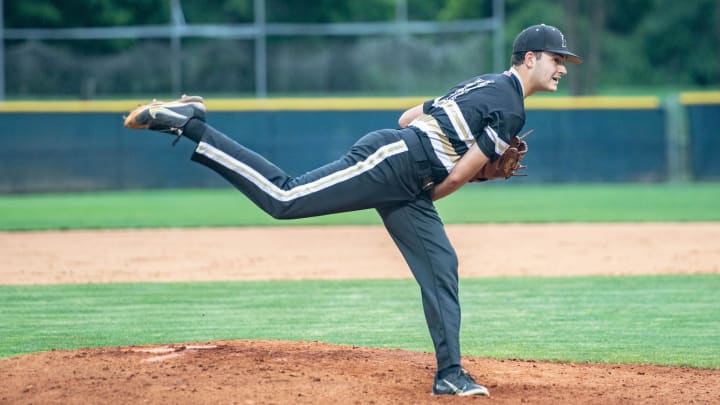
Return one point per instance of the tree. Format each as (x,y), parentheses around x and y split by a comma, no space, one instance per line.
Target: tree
(88,13)
(625,43)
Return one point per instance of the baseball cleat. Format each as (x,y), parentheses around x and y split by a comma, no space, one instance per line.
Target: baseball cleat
(458,383)
(171,116)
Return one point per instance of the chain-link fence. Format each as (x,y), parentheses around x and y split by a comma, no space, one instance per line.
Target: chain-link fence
(256,59)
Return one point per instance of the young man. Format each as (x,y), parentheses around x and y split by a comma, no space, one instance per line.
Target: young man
(442,144)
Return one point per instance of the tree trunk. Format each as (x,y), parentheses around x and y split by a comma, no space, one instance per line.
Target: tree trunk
(572,14)
(593,61)
(586,39)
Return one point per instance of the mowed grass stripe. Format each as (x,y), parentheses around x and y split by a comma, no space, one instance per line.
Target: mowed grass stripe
(502,202)
(668,320)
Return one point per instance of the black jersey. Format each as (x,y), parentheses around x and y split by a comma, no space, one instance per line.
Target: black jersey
(487,110)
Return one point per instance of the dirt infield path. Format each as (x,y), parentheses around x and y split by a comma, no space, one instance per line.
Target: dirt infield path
(269,372)
(295,253)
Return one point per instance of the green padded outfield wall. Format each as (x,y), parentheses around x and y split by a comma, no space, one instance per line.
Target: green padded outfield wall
(82,146)
(703,126)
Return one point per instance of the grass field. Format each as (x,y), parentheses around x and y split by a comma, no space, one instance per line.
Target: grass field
(669,320)
(500,204)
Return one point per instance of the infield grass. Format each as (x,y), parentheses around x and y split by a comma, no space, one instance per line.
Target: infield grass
(501,203)
(667,320)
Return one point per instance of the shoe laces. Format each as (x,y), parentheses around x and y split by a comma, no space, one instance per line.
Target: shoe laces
(466,377)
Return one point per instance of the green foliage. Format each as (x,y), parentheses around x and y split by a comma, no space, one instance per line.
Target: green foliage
(626,42)
(465,10)
(327,11)
(623,16)
(648,42)
(678,42)
(226,12)
(28,14)
(667,320)
(87,13)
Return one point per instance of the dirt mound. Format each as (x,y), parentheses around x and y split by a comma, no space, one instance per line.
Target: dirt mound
(275,372)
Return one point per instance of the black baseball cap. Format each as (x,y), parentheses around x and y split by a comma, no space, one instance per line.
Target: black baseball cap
(544,38)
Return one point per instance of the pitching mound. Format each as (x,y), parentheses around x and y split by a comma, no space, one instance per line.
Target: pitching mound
(272,372)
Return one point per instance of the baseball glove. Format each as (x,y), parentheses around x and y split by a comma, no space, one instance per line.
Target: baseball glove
(509,163)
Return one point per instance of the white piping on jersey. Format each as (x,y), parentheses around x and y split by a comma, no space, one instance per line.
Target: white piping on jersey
(302,190)
(458,121)
(500,145)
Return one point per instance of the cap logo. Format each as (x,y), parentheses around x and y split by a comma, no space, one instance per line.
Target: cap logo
(562,38)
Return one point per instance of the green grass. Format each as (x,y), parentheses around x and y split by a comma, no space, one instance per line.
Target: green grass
(668,320)
(584,203)
(491,203)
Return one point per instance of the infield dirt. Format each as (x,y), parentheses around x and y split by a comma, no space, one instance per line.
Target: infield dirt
(276,372)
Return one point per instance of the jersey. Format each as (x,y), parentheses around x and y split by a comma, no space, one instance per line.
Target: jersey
(488,110)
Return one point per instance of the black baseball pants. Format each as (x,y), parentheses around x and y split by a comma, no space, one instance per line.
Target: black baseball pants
(381,171)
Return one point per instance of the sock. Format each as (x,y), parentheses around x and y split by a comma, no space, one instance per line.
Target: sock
(194,129)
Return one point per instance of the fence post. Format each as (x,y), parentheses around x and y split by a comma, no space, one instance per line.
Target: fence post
(178,21)
(2,52)
(498,18)
(260,49)
(677,140)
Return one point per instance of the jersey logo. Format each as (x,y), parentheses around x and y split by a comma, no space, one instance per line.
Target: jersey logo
(473,85)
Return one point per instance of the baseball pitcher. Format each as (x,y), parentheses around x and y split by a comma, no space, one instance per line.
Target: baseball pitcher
(469,134)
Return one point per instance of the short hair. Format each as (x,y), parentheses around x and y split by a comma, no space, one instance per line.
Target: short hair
(519,57)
